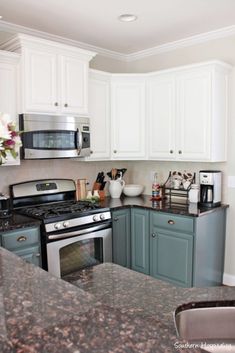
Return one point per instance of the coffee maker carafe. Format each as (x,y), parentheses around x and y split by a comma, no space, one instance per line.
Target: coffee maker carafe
(210,188)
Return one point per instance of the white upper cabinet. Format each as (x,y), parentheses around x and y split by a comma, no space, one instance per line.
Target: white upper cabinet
(99,113)
(39,82)
(162,116)
(74,85)
(128,117)
(187,113)
(54,77)
(8,91)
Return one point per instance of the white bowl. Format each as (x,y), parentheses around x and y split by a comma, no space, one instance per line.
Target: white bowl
(133,189)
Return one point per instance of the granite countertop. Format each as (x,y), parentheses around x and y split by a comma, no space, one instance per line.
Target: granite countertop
(108,309)
(144,201)
(16,221)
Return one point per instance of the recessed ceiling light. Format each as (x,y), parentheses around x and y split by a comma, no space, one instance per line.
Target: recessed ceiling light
(127,17)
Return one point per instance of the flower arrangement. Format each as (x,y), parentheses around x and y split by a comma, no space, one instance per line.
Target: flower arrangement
(10,140)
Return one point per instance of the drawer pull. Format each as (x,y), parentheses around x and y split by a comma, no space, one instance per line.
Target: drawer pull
(115,219)
(171,222)
(38,254)
(21,238)
(154,235)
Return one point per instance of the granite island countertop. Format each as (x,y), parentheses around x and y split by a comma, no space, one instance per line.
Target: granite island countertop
(144,201)
(107,309)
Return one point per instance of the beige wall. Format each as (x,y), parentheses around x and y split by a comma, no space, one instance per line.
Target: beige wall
(109,65)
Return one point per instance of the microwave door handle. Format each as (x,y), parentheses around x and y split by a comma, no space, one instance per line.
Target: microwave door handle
(78,141)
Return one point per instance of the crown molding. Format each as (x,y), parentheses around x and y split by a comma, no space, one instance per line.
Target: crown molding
(182,43)
(189,41)
(14,28)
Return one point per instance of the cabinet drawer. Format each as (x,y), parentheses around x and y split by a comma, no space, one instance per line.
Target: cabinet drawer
(172,222)
(20,238)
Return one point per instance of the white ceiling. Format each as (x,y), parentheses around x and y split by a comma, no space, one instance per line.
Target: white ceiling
(95,21)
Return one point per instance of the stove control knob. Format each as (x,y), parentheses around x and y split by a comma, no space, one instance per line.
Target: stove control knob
(66,224)
(57,225)
(102,216)
(95,218)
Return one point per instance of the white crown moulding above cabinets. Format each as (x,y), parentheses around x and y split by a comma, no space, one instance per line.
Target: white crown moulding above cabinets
(189,41)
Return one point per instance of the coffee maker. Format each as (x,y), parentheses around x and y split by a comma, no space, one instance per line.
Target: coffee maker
(210,188)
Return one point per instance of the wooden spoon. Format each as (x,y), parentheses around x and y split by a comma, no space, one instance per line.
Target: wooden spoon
(113,173)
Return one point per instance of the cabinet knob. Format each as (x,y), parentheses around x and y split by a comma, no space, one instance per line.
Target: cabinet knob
(115,219)
(21,238)
(154,235)
(171,222)
(91,152)
(37,255)
(171,151)
(66,105)
(56,104)
(115,151)
(180,152)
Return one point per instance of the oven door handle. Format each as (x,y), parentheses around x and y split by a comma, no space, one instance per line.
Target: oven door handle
(78,232)
(78,141)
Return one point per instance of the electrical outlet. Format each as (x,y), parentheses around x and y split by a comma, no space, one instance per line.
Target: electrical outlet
(231,181)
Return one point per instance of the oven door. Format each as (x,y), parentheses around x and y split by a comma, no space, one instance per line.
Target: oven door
(79,250)
(54,137)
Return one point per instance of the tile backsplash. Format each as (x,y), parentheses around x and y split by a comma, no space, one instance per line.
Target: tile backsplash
(138,172)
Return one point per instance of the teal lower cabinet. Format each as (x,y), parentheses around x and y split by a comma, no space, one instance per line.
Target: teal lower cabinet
(186,251)
(121,237)
(171,256)
(140,240)
(24,242)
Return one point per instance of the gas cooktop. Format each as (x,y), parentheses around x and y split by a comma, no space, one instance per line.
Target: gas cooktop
(60,209)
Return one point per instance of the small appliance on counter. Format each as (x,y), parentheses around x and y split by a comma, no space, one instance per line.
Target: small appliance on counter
(5,206)
(210,188)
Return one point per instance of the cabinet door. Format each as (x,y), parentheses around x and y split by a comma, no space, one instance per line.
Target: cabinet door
(40,82)
(8,94)
(171,256)
(161,117)
(194,115)
(74,85)
(128,118)
(121,237)
(99,113)
(31,254)
(140,240)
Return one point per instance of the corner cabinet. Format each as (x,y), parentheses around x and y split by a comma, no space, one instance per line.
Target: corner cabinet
(9,63)
(99,113)
(187,113)
(128,117)
(54,77)
(121,237)
(24,242)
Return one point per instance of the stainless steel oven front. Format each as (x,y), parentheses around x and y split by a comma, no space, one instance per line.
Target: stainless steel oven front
(71,251)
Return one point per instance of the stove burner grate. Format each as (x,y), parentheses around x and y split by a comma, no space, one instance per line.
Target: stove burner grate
(60,209)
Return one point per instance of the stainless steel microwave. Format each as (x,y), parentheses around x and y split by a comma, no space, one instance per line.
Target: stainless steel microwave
(49,136)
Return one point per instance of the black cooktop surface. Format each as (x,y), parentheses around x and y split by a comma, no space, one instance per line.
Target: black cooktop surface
(60,209)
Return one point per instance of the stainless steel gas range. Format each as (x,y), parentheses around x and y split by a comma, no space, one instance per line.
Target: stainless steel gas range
(74,234)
